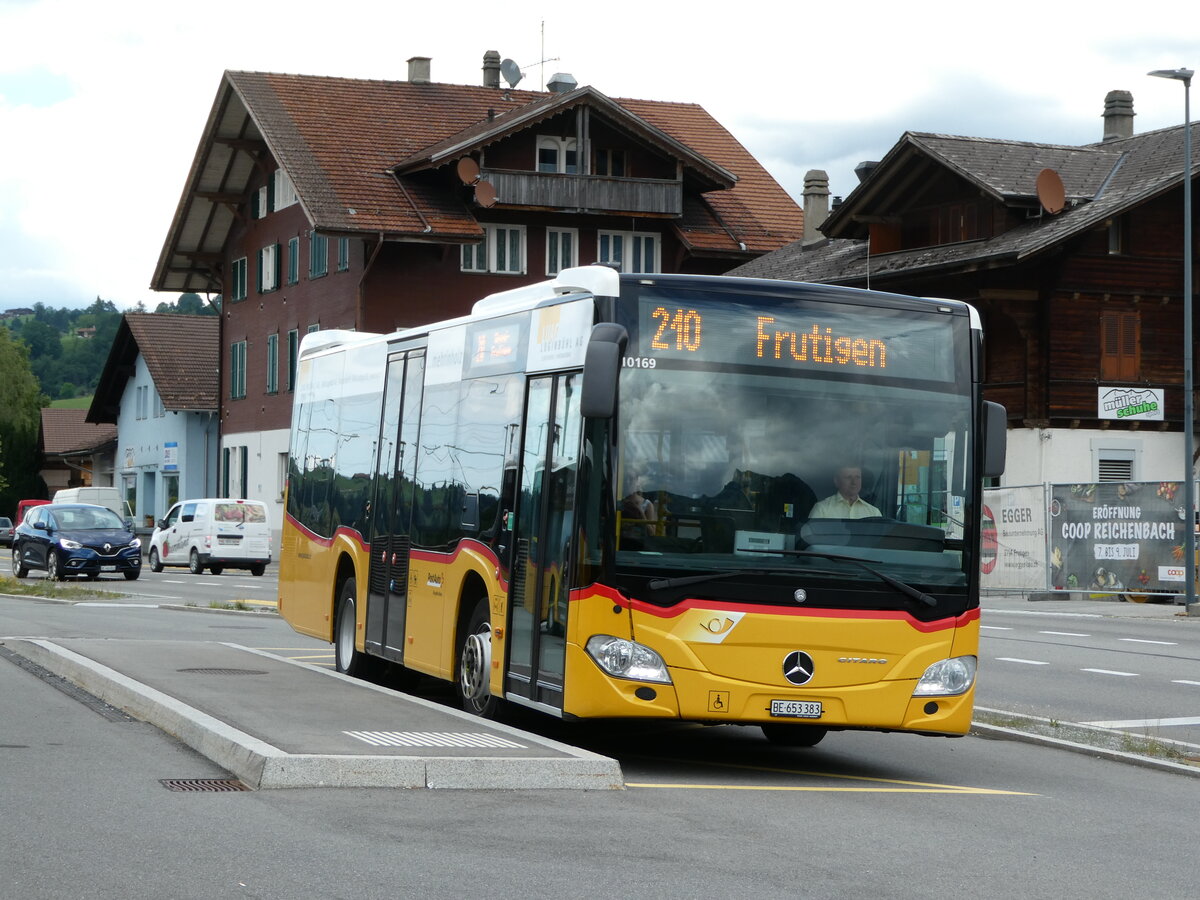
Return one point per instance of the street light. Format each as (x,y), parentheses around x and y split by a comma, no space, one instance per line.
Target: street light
(1189,531)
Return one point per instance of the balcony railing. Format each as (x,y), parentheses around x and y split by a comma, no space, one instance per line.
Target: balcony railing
(593,193)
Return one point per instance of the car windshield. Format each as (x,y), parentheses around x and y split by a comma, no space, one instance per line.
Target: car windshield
(85,519)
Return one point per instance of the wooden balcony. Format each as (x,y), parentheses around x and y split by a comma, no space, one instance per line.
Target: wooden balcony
(586,193)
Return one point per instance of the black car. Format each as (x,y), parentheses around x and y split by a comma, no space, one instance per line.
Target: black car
(68,539)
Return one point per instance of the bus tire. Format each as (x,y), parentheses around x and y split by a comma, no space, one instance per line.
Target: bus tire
(346,658)
(474,663)
(794,735)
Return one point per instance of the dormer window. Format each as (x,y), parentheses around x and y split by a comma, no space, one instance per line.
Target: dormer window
(556,155)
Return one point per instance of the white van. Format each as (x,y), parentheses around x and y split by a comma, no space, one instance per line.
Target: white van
(108,497)
(213,534)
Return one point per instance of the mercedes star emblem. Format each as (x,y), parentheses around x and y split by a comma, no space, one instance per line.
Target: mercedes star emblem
(798,667)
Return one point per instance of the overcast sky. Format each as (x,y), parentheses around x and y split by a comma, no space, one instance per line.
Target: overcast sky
(102,103)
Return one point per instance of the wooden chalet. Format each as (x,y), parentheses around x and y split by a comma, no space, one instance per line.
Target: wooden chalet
(1073,257)
(318,203)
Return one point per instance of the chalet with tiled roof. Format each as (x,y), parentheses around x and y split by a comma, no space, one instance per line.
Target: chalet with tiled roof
(1074,258)
(317,202)
(75,452)
(159,389)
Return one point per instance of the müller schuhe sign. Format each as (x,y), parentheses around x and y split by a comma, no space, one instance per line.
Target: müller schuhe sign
(1131,403)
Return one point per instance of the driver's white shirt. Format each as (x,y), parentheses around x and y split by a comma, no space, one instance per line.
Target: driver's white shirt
(836,507)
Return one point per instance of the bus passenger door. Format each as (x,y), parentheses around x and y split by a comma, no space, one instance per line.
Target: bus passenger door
(387,594)
(544,540)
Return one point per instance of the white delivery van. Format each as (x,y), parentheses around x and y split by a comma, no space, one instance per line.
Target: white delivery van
(213,534)
(108,497)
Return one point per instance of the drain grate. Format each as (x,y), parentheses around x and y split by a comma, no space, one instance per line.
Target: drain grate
(69,688)
(432,739)
(217,671)
(202,785)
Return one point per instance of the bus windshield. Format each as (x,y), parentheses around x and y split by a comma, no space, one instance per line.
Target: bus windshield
(778,432)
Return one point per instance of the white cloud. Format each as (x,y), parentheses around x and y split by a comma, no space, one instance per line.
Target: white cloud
(102,105)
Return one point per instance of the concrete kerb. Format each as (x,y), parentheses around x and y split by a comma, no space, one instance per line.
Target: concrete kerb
(1012,734)
(262,766)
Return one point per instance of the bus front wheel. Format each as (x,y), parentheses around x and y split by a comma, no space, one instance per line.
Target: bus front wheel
(347,659)
(475,664)
(794,735)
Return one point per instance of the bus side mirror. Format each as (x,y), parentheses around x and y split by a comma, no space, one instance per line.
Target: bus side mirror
(602,370)
(995,439)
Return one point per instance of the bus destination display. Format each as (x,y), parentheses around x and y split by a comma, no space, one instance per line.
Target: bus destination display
(817,337)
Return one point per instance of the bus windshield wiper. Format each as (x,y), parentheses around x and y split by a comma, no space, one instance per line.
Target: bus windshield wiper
(896,583)
(662,584)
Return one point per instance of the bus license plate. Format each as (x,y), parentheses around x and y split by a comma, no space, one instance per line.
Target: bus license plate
(796,709)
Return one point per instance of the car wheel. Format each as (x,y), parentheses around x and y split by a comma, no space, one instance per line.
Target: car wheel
(347,659)
(194,562)
(54,566)
(257,569)
(132,574)
(474,664)
(155,563)
(19,569)
(216,570)
(794,735)
(93,576)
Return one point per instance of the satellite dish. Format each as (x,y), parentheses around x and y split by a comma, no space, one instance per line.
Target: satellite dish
(511,72)
(1050,191)
(485,194)
(468,170)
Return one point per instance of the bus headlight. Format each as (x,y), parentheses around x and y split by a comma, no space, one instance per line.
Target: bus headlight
(627,659)
(947,677)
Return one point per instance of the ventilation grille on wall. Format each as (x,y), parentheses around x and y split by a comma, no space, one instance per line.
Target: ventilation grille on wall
(1116,470)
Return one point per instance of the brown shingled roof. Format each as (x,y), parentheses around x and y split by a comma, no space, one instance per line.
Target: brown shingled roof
(181,352)
(338,139)
(65,432)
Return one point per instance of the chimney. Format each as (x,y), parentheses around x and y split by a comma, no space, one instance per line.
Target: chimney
(562,83)
(491,69)
(1118,115)
(418,70)
(865,168)
(816,204)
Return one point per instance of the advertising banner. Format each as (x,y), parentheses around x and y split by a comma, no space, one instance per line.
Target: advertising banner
(1117,537)
(1130,403)
(1014,539)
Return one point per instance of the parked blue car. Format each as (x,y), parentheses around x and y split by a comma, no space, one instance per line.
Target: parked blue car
(71,539)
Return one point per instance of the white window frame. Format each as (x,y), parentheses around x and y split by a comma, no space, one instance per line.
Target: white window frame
(486,256)
(635,246)
(561,146)
(285,191)
(237,290)
(264,202)
(556,259)
(268,268)
(237,370)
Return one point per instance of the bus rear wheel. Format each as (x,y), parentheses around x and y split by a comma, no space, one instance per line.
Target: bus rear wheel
(794,735)
(475,664)
(347,659)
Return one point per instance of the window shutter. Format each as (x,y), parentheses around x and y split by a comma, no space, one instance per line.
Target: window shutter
(254,204)
(1120,347)
(270,195)
(278,265)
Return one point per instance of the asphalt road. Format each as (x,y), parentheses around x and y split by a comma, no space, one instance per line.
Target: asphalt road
(708,812)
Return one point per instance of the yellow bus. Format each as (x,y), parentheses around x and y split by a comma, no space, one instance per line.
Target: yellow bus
(605,496)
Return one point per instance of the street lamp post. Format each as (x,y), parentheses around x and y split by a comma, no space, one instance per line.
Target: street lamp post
(1189,531)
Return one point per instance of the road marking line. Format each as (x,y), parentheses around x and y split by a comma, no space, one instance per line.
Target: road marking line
(1140,641)
(1111,672)
(827,789)
(1027,662)
(1065,633)
(1147,723)
(1185,681)
(994,628)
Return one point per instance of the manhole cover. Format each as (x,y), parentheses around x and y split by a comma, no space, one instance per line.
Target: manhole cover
(218,671)
(202,785)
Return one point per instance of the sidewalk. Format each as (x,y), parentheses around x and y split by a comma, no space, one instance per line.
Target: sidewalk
(1083,604)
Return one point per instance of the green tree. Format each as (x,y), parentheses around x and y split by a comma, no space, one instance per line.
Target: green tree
(20,421)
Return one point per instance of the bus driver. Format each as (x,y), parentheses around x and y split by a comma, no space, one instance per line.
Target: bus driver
(846,503)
